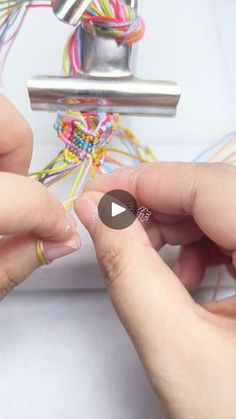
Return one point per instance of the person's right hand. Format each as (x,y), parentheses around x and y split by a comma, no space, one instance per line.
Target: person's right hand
(28,211)
(189,351)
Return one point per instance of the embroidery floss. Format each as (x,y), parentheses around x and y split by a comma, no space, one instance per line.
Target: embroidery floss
(12,16)
(112,19)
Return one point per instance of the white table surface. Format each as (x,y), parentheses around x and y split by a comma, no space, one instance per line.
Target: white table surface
(66,356)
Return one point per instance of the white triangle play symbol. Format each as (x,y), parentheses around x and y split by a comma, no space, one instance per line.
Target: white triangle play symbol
(117,209)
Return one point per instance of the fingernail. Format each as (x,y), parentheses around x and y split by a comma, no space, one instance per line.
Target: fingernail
(87,211)
(70,224)
(53,251)
(71,220)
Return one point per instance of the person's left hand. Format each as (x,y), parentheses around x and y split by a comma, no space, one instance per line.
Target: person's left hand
(27,210)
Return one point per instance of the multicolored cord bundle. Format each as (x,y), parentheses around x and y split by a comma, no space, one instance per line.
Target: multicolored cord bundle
(114,19)
(12,17)
(110,18)
(87,138)
(83,134)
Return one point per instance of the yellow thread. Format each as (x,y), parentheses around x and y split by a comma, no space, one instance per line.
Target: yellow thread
(71,156)
(78,177)
(92,172)
(125,153)
(49,171)
(64,58)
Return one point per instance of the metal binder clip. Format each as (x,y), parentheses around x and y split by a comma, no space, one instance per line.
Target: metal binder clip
(70,11)
(105,82)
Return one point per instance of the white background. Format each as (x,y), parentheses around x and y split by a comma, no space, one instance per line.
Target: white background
(64,354)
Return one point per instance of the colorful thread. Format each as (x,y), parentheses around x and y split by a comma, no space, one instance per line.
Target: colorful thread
(85,134)
(12,17)
(88,136)
(110,18)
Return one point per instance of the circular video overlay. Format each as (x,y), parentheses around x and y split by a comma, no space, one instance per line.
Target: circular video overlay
(118,209)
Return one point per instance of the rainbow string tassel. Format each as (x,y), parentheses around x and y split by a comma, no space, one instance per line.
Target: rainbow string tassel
(111,18)
(83,134)
(88,137)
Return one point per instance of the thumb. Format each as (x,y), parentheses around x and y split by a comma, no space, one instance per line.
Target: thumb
(151,302)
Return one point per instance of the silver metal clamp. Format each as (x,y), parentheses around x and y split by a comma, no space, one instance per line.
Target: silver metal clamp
(105,82)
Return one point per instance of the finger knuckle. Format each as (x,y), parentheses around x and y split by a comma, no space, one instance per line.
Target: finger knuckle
(50,212)
(114,265)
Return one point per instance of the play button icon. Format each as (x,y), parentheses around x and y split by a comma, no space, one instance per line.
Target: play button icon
(118,209)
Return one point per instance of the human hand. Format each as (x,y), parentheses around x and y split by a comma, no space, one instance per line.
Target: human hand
(27,210)
(188,350)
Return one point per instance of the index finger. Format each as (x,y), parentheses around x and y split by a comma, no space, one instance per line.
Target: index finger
(205,191)
(15,139)
(28,207)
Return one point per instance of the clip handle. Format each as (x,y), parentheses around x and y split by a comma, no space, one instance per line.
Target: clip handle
(105,82)
(70,11)
(124,95)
